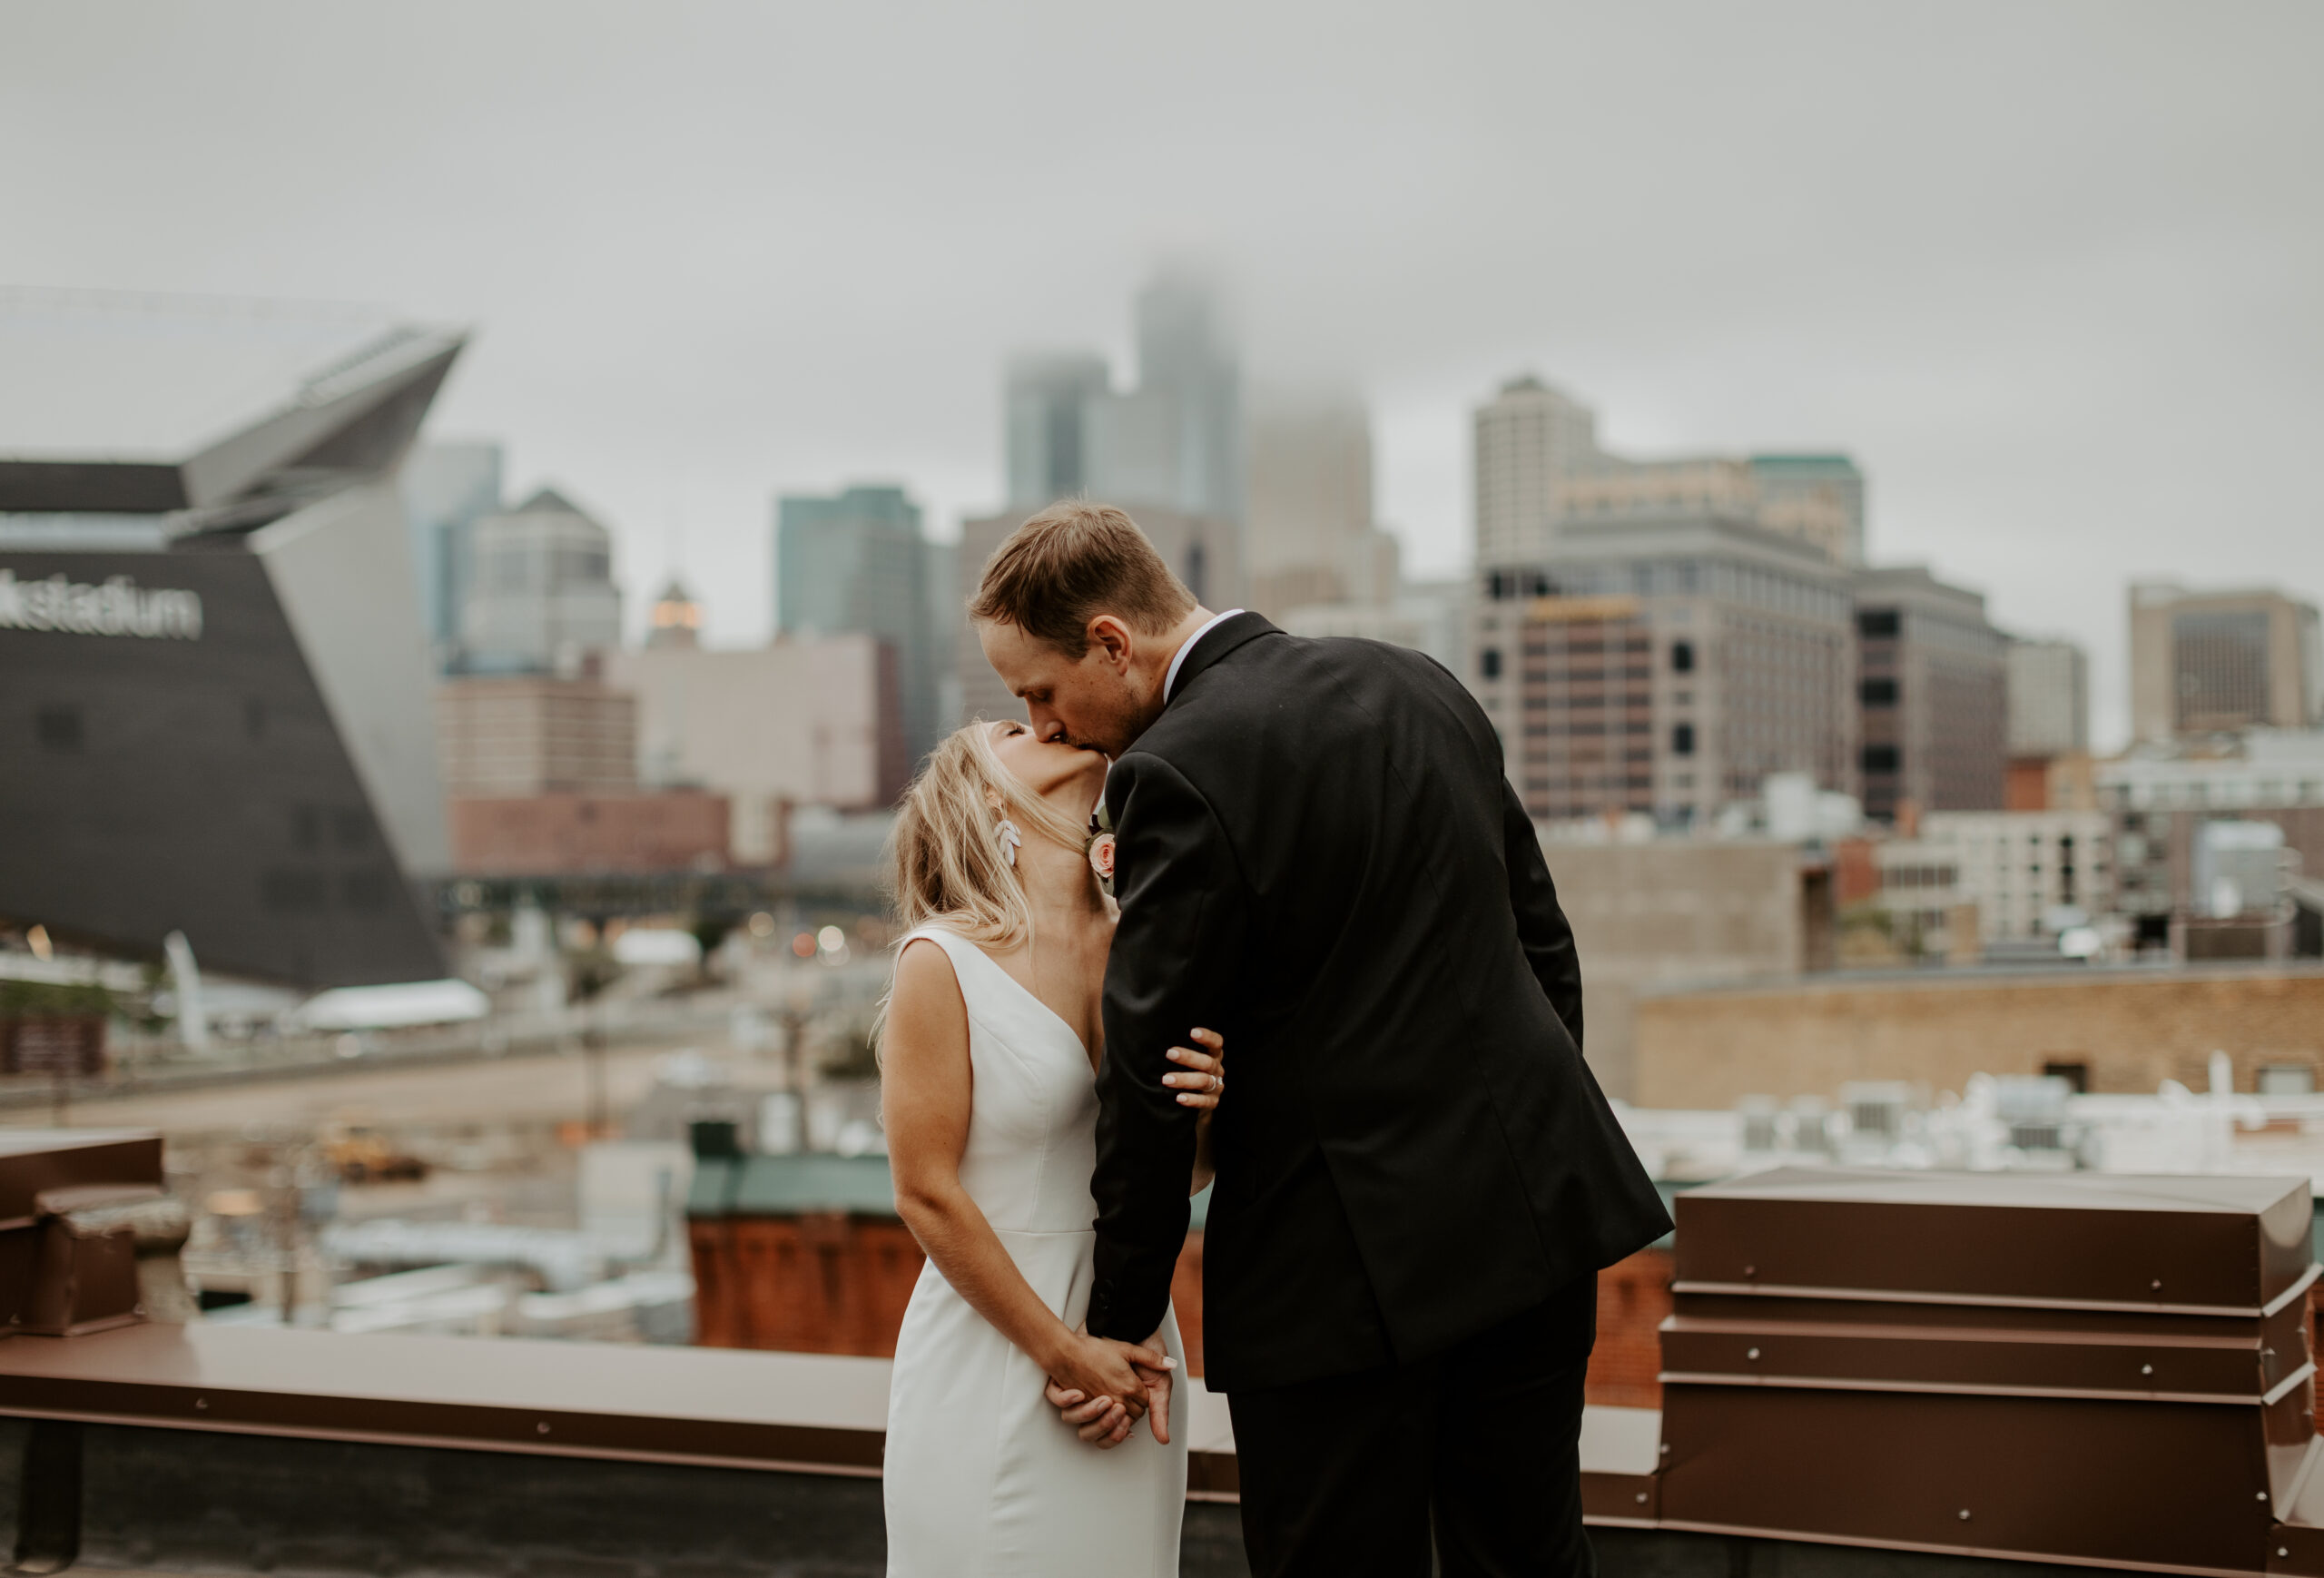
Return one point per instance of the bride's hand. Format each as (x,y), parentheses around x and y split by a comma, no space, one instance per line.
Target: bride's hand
(1093,1369)
(1100,1421)
(1206,1078)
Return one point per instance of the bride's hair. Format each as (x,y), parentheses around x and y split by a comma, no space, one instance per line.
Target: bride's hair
(946,862)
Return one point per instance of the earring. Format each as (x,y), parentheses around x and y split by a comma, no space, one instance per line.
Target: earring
(1010,839)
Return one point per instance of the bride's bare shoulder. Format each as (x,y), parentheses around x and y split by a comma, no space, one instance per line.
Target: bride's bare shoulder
(927,992)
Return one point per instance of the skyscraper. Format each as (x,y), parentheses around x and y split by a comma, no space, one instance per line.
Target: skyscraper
(855,561)
(1174,441)
(1048,398)
(447,490)
(542,595)
(1528,438)
(1310,537)
(2206,662)
(1932,682)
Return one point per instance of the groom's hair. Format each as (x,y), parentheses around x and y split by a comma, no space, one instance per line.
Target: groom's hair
(1072,562)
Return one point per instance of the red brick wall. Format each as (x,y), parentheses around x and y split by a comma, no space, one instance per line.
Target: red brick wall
(545,833)
(1633,1297)
(838,1284)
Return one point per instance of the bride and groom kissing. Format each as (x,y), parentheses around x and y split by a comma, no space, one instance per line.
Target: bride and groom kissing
(1320,873)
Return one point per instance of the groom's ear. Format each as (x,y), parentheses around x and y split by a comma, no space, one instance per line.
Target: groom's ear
(1112,638)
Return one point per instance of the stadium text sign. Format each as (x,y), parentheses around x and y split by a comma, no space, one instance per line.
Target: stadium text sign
(119,607)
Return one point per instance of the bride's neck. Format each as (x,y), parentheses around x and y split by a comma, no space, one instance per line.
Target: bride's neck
(1060,887)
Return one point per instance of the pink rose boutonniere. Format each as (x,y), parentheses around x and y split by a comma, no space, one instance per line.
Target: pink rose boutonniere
(1101,856)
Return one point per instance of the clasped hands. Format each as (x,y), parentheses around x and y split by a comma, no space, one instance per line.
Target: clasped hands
(1102,1386)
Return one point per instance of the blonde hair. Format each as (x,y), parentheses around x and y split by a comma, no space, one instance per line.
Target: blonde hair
(946,862)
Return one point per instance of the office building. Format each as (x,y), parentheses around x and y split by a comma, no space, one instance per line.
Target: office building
(215,672)
(1933,688)
(942,574)
(2205,663)
(447,488)
(1529,439)
(1309,537)
(1047,401)
(543,599)
(1203,551)
(856,561)
(2028,874)
(1174,441)
(1818,498)
(2163,797)
(1538,465)
(2049,698)
(503,736)
(1665,667)
(805,721)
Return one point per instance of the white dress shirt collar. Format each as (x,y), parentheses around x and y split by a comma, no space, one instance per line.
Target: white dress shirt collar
(1170,680)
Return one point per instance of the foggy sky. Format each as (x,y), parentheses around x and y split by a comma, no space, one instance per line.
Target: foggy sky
(2051,272)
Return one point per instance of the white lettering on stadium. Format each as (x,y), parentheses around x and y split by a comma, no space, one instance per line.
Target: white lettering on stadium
(118,608)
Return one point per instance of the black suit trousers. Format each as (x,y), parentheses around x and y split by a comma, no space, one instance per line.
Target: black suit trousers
(1479,1445)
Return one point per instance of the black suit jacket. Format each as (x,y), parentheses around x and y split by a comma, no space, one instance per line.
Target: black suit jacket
(1319,857)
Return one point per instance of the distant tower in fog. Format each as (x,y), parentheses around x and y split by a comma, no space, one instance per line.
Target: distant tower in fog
(1048,398)
(1309,537)
(1173,442)
(676,619)
(1528,438)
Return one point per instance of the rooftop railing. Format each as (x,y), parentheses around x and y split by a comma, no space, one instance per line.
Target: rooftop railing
(2088,1373)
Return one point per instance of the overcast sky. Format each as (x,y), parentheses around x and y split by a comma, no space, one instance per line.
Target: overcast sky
(2053,273)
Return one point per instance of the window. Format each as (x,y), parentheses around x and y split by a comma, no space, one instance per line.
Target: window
(1489,663)
(1880,758)
(1682,739)
(1682,657)
(1879,623)
(1878,692)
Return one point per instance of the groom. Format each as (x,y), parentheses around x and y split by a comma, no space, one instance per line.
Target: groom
(1318,855)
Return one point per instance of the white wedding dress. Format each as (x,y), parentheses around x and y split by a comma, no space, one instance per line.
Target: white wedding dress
(982,1477)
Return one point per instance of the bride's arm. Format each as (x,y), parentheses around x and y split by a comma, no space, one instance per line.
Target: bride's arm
(924,1098)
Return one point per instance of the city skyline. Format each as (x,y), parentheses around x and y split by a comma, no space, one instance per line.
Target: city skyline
(2037,298)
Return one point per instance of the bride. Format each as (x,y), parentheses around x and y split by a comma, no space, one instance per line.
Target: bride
(989,1052)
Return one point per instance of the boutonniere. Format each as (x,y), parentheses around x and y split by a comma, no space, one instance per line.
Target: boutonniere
(1101,857)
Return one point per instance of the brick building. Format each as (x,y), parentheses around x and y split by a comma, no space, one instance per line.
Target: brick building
(805,1254)
(568,834)
(2126,1029)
